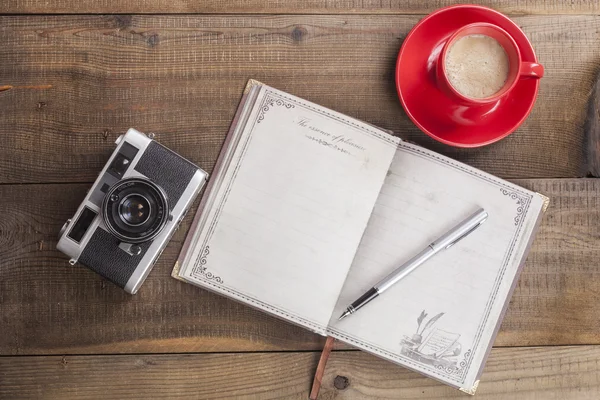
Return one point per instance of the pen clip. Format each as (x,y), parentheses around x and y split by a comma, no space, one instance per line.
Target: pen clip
(464,235)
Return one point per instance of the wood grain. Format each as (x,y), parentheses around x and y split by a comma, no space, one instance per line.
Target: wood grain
(50,307)
(69,85)
(592,131)
(565,373)
(80,81)
(287,7)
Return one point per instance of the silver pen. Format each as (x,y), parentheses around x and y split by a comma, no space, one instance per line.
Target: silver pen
(449,239)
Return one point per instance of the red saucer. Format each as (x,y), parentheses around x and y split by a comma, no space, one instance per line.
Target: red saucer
(430,109)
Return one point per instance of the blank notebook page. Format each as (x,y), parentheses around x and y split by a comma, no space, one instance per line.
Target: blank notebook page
(292,208)
(441,317)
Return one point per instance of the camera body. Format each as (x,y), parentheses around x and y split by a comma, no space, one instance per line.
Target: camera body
(132,210)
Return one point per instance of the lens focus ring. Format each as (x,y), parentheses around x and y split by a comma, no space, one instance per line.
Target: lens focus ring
(135,210)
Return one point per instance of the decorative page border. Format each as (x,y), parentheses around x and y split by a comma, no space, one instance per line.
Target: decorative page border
(272,102)
(200,270)
(523,200)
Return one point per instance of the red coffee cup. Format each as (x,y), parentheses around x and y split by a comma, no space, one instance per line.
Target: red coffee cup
(518,69)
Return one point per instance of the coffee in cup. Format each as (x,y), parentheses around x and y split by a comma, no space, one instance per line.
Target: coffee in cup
(484,67)
(477,66)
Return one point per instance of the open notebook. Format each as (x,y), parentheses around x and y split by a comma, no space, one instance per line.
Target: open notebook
(308,208)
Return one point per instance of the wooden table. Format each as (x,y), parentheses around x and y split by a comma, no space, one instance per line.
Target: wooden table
(83,71)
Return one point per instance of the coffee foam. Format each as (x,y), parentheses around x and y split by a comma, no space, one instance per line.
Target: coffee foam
(477,66)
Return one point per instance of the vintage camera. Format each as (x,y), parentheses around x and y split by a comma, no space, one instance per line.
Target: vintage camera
(128,216)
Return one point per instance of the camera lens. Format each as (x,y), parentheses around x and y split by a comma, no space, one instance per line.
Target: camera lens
(135,210)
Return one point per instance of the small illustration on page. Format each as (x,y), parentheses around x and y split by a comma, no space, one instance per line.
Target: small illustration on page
(434,346)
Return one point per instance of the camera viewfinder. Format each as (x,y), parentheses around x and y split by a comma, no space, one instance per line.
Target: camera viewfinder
(122,160)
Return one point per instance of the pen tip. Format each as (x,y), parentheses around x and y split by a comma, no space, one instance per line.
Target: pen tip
(344,315)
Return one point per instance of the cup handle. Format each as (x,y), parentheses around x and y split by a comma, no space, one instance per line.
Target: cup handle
(531,70)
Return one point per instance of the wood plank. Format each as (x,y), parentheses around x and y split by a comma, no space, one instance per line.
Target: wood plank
(555,298)
(50,307)
(592,131)
(80,81)
(516,373)
(286,7)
